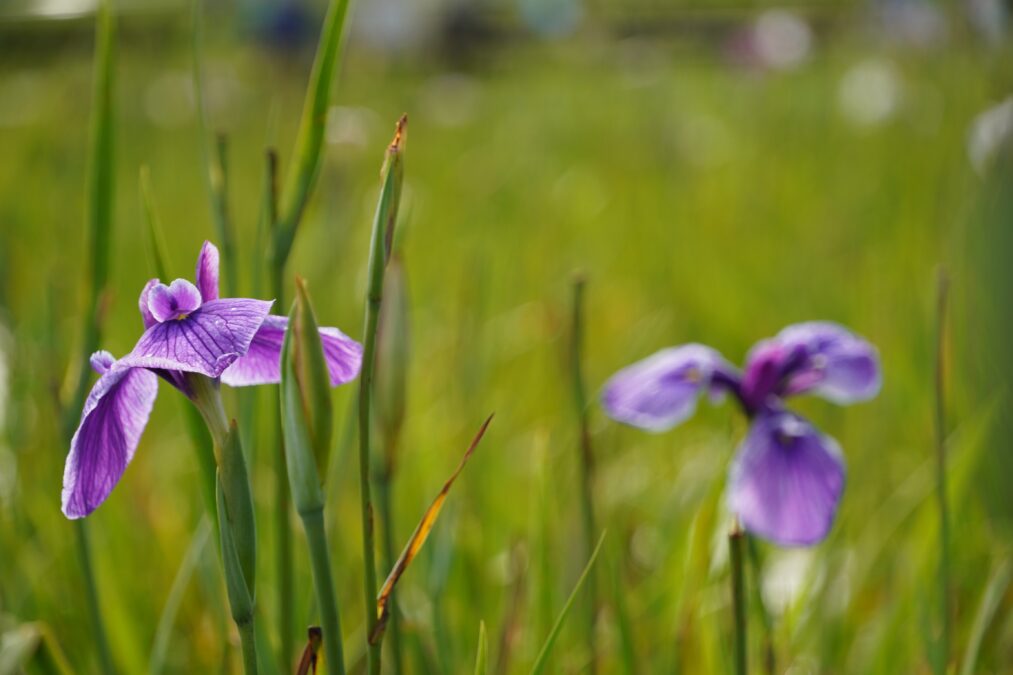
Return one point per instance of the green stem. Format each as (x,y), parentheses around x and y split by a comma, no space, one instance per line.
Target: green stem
(282,516)
(736,540)
(248,645)
(313,522)
(940,434)
(91,591)
(389,557)
(366,503)
(586,457)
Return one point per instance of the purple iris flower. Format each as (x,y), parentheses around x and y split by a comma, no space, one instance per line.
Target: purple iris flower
(189,333)
(787,478)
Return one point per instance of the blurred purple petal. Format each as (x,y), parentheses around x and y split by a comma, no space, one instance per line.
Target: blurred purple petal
(172,302)
(142,303)
(114,416)
(101,361)
(207,341)
(261,363)
(661,391)
(786,480)
(836,364)
(207,272)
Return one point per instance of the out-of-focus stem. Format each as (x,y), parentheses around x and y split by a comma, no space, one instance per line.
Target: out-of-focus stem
(384,489)
(365,498)
(940,434)
(94,611)
(586,458)
(736,542)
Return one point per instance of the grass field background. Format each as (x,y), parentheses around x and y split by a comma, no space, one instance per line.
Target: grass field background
(703,202)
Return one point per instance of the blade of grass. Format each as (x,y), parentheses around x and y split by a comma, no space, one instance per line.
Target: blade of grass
(990,601)
(482,656)
(943,651)
(736,540)
(216,167)
(586,458)
(99,226)
(543,656)
(305,163)
(418,538)
(175,598)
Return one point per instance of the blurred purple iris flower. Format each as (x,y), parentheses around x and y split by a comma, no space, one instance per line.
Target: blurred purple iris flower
(787,478)
(189,332)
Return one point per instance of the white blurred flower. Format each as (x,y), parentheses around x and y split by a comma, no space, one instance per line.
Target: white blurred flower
(989,131)
(784,578)
(870,92)
(782,40)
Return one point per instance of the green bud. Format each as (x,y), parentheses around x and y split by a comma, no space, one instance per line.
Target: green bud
(393,348)
(237,527)
(382,237)
(306,414)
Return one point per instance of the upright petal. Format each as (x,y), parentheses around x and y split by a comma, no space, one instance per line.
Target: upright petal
(173,302)
(207,341)
(207,272)
(661,391)
(261,363)
(142,303)
(786,480)
(836,364)
(115,414)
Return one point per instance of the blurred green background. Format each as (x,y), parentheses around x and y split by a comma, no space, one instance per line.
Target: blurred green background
(716,172)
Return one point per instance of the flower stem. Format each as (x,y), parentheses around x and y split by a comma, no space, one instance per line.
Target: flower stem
(366,503)
(736,541)
(313,522)
(940,433)
(586,457)
(248,644)
(389,557)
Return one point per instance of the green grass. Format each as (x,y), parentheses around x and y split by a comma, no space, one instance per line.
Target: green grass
(702,203)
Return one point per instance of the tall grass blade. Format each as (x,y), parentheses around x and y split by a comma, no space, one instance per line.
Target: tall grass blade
(175,598)
(482,653)
(305,162)
(942,653)
(990,601)
(215,161)
(543,656)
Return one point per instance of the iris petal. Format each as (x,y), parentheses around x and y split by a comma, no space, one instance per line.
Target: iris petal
(661,391)
(207,341)
(114,416)
(838,365)
(261,363)
(142,303)
(207,272)
(787,480)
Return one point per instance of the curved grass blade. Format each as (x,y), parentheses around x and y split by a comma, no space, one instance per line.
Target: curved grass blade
(305,162)
(418,538)
(990,601)
(482,656)
(32,643)
(175,598)
(543,656)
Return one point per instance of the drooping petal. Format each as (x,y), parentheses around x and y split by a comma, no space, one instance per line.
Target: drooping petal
(662,390)
(207,341)
(172,302)
(786,480)
(836,364)
(207,272)
(261,363)
(142,303)
(764,372)
(114,416)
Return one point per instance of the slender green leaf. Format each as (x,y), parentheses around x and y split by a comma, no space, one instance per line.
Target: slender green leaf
(156,241)
(305,163)
(990,601)
(543,656)
(482,655)
(175,598)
